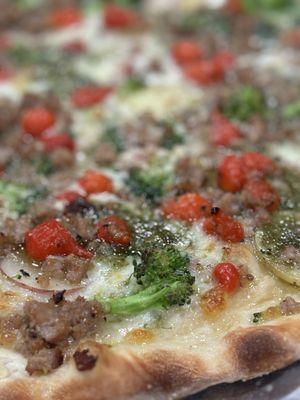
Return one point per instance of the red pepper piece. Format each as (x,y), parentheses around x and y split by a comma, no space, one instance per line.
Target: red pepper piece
(51,238)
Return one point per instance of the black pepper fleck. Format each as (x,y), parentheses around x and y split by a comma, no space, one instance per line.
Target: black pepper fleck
(58,296)
(214,210)
(24,273)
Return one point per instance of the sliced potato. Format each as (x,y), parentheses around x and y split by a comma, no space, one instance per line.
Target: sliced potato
(278,247)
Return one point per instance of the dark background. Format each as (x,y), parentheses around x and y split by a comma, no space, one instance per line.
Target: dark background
(281,385)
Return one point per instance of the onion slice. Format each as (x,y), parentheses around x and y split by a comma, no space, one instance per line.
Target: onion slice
(12,266)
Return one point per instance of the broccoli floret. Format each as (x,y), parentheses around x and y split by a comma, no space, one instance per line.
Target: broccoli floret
(244,103)
(112,135)
(132,85)
(151,235)
(164,279)
(204,20)
(18,198)
(125,3)
(43,165)
(291,110)
(173,134)
(149,183)
(26,4)
(266,5)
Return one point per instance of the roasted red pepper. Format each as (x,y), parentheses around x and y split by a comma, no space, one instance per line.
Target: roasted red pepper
(185,51)
(87,96)
(114,230)
(36,120)
(95,182)
(224,60)
(224,227)
(260,193)
(64,17)
(69,196)
(116,17)
(187,207)
(224,132)
(204,72)
(255,162)
(58,141)
(231,175)
(51,238)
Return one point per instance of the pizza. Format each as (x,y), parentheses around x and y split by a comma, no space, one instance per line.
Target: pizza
(149,196)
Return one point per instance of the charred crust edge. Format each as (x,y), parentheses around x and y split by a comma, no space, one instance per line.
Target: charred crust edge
(158,374)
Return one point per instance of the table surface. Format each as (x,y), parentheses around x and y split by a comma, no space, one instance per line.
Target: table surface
(281,385)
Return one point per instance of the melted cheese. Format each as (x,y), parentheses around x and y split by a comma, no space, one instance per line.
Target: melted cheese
(161,101)
(287,152)
(166,92)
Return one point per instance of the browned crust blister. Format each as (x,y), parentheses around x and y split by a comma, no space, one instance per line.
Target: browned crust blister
(162,374)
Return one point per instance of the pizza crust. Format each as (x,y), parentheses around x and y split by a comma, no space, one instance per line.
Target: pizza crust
(124,372)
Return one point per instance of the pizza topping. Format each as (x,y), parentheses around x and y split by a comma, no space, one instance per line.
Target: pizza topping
(58,141)
(71,268)
(148,183)
(95,182)
(83,360)
(165,281)
(231,176)
(9,326)
(69,196)
(213,301)
(105,154)
(224,60)
(55,326)
(278,244)
(8,114)
(64,17)
(234,171)
(260,193)
(58,296)
(139,336)
(204,72)
(185,141)
(18,198)
(186,51)
(81,206)
(224,133)
(36,120)
(244,103)
(51,238)
(37,281)
(5,74)
(291,110)
(114,230)
(227,276)
(13,231)
(224,227)
(87,96)
(117,17)
(257,162)
(292,37)
(187,207)
(44,361)
(288,306)
(75,46)
(190,175)
(234,6)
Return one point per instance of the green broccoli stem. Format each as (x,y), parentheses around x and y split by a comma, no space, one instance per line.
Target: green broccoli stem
(152,297)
